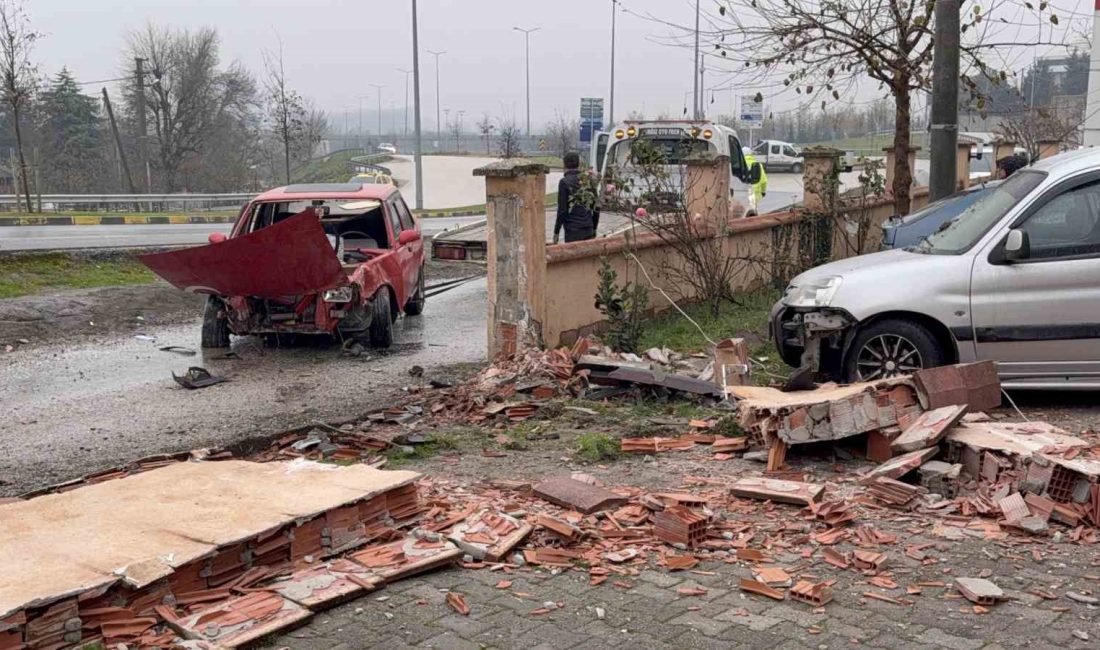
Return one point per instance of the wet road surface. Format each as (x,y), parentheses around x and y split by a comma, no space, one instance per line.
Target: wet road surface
(72,409)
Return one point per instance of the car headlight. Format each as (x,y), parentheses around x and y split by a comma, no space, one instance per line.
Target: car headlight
(817,292)
(339,294)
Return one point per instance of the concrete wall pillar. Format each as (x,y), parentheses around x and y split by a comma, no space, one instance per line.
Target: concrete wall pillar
(1001,149)
(890,166)
(818,178)
(962,165)
(707,190)
(1048,148)
(514,193)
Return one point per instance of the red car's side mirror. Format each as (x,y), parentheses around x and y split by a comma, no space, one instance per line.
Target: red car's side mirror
(216,237)
(407,237)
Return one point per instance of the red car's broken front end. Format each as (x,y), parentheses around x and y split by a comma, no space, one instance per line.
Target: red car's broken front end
(326,269)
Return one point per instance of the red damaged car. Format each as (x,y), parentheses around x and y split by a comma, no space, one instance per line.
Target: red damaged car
(340,259)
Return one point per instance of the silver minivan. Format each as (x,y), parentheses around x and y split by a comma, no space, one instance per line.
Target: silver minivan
(1015,278)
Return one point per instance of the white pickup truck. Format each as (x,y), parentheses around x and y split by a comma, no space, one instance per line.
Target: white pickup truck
(777,155)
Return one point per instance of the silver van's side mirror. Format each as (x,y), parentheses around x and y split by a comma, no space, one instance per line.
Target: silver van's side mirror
(1017,245)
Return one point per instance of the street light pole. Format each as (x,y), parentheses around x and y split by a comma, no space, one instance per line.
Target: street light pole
(611,103)
(418,168)
(359,133)
(379,88)
(527,65)
(695,94)
(405,132)
(438,123)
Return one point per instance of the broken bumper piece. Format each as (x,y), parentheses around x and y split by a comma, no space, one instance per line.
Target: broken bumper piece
(811,337)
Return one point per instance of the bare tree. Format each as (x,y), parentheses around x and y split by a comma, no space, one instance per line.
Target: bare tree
(18,75)
(455,127)
(508,139)
(190,95)
(1030,126)
(562,133)
(285,108)
(485,128)
(823,50)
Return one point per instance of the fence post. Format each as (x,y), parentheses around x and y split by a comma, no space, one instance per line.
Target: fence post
(1002,149)
(1048,148)
(514,196)
(962,165)
(819,185)
(707,190)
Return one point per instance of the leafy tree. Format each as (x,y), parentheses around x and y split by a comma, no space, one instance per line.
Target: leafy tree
(71,138)
(623,307)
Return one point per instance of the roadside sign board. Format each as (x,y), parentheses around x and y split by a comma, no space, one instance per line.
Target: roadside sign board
(591,117)
(752,111)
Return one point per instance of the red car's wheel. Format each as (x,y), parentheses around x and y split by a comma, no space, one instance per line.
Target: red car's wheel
(215,325)
(381,322)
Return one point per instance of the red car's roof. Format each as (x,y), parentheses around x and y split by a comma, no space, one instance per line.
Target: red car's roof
(301,191)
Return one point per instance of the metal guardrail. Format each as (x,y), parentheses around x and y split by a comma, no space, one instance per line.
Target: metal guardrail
(361,164)
(127,202)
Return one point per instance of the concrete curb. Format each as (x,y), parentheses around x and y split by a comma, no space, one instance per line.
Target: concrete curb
(114,220)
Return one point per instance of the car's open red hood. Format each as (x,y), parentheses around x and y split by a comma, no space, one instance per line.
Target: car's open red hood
(290,258)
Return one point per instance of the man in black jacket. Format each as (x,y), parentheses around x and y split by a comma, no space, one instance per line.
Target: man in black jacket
(579,221)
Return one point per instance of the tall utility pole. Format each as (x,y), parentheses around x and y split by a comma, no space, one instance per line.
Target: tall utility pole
(417,166)
(139,108)
(945,101)
(405,131)
(695,91)
(118,143)
(379,88)
(611,102)
(438,122)
(527,66)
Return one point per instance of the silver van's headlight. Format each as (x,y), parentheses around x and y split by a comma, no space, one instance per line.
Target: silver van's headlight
(339,294)
(817,292)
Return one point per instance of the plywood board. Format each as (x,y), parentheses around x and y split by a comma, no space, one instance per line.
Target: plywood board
(67,543)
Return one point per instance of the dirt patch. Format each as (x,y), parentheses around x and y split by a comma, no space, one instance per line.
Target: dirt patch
(59,315)
(56,316)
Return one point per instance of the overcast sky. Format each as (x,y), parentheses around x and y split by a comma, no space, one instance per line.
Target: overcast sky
(334,50)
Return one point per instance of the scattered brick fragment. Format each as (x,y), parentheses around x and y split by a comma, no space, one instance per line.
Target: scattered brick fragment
(757,587)
(458,603)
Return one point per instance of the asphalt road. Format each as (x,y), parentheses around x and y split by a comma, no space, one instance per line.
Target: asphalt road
(14,238)
(72,408)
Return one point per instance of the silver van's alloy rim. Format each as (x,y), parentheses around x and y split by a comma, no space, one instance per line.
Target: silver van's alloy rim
(887,355)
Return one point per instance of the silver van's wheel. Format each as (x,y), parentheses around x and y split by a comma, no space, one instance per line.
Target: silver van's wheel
(892,347)
(887,355)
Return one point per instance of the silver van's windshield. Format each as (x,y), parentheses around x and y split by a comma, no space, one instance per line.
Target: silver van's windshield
(673,150)
(959,234)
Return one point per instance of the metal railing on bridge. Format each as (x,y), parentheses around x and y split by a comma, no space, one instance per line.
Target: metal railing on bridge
(126,202)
